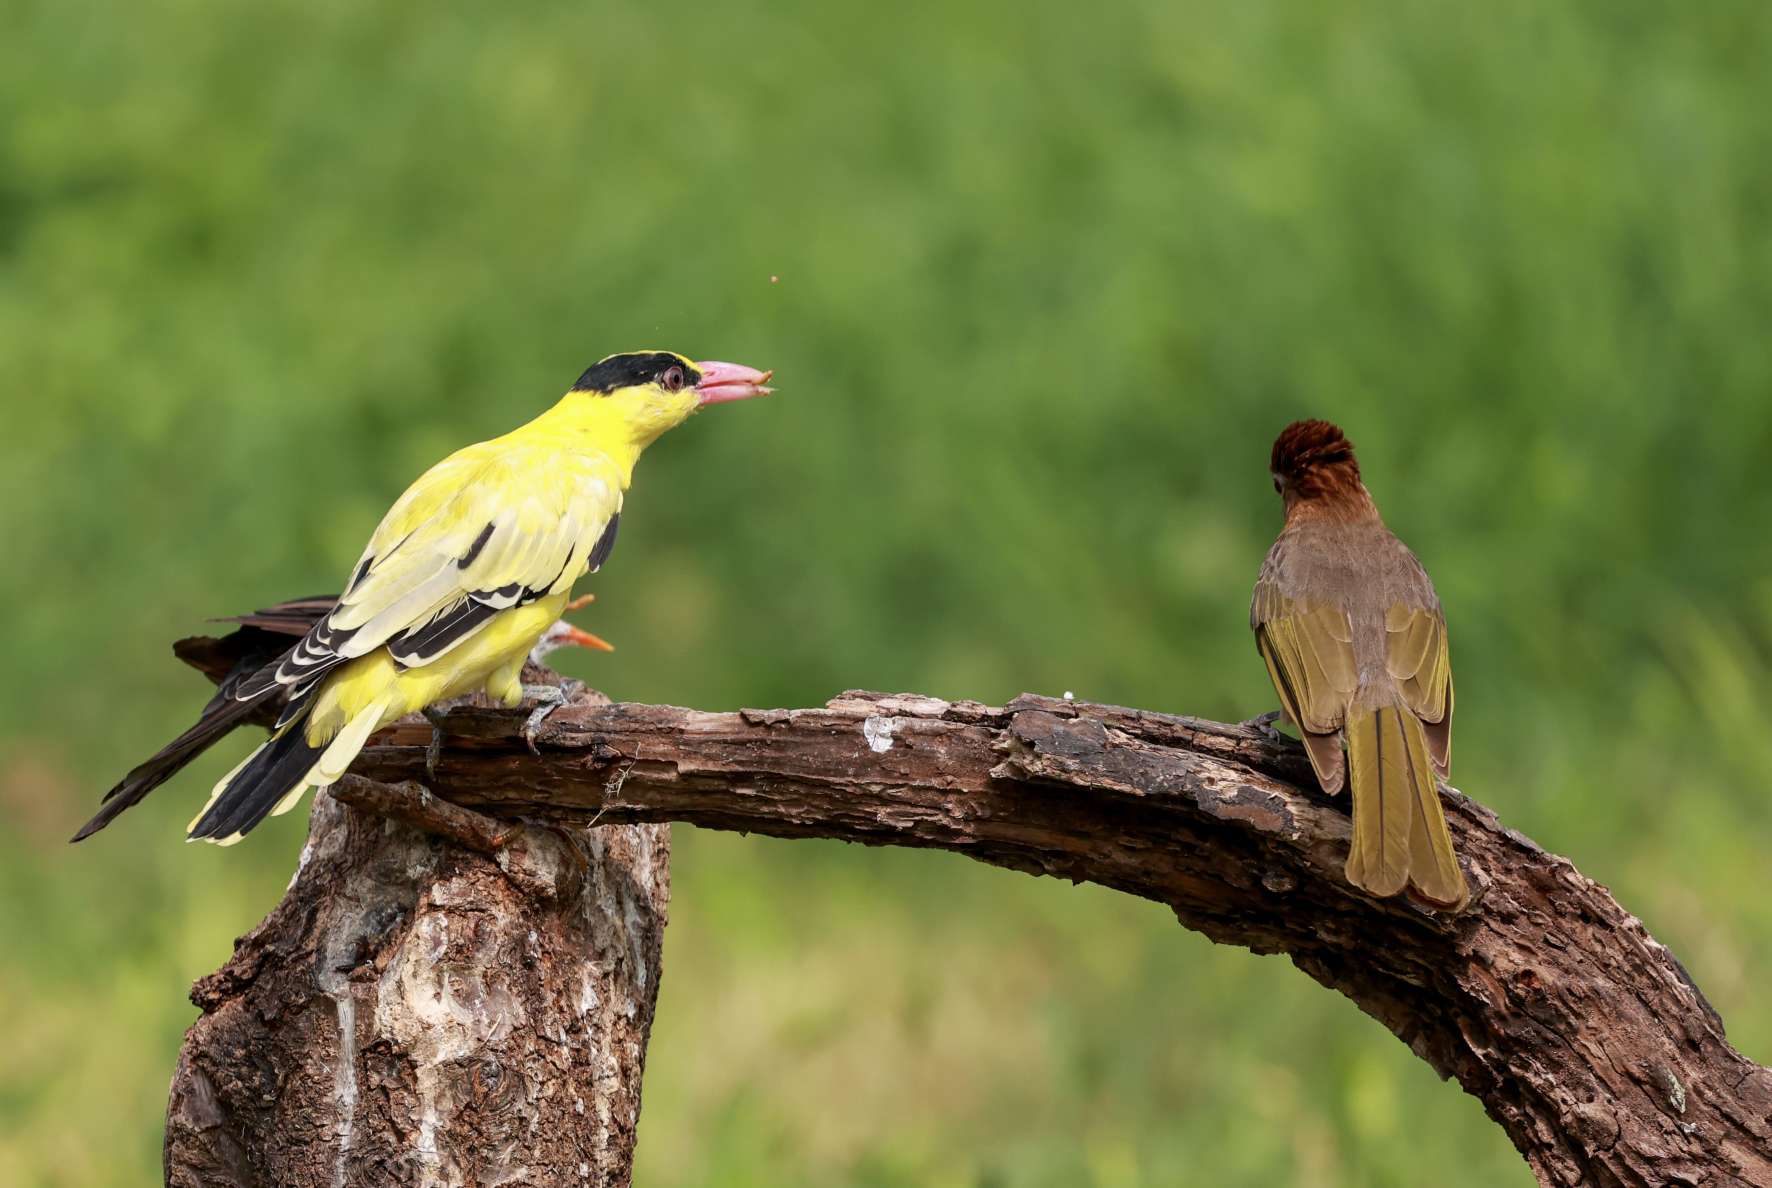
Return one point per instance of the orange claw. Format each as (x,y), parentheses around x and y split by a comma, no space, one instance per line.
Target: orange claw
(579,603)
(578,637)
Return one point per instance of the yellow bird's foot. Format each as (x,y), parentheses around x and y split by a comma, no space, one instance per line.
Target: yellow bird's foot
(548,698)
(1263,724)
(433,752)
(578,604)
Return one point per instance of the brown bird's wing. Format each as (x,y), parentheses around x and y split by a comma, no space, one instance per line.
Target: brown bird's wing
(264,636)
(1417,656)
(1310,658)
(295,617)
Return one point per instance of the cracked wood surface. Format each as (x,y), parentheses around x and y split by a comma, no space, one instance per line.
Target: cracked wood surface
(466,1003)
(470,1003)
(1581,1035)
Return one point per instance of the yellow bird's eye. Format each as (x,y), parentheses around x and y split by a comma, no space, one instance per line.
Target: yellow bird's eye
(672,379)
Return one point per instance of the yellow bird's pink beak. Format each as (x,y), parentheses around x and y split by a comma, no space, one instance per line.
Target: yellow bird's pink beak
(721,382)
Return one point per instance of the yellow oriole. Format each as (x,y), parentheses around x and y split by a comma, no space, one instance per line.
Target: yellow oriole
(473,564)
(265,637)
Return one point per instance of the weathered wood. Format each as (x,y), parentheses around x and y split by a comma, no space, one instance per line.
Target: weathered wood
(1581,1035)
(464,1006)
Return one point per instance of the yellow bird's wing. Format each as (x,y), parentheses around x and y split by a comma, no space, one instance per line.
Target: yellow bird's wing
(1310,658)
(495,526)
(1417,656)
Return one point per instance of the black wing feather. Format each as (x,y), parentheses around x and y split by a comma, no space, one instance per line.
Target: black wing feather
(605,544)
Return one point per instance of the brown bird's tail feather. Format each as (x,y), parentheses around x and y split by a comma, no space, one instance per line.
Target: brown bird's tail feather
(295,617)
(1400,835)
(221,716)
(264,637)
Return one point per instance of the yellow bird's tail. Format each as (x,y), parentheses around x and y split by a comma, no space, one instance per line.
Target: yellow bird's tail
(1400,835)
(274,777)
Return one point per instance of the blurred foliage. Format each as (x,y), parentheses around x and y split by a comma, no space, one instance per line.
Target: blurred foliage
(1050,278)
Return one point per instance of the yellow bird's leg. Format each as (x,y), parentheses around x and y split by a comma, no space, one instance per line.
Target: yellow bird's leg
(506,686)
(434,715)
(548,698)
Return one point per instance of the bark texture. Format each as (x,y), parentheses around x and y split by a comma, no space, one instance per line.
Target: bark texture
(421,1010)
(1581,1034)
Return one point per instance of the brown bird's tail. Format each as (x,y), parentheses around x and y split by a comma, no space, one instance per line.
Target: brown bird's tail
(1400,835)
(264,638)
(217,720)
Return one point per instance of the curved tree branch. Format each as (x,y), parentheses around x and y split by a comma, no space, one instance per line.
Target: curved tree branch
(1581,1034)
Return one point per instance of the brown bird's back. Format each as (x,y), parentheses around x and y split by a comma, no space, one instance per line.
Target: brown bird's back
(1355,642)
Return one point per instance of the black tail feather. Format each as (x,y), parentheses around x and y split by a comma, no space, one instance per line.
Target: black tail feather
(264,638)
(256,788)
(219,717)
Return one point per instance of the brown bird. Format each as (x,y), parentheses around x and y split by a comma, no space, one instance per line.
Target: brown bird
(1355,642)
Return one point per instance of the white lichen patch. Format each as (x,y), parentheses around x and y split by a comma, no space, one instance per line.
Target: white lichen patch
(442,1006)
(879,731)
(587,990)
(344,1074)
(301,864)
(631,903)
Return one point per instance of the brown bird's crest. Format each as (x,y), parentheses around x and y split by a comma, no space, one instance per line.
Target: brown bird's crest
(1304,445)
(1314,459)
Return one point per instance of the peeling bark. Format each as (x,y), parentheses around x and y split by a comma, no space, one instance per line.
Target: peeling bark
(417,1012)
(1581,1035)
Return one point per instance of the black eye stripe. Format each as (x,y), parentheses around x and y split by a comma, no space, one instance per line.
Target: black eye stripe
(624,371)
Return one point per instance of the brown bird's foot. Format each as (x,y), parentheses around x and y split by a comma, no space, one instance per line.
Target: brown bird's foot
(548,698)
(564,635)
(1263,724)
(584,639)
(433,752)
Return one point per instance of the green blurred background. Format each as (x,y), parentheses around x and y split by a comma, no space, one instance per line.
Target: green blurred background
(1050,278)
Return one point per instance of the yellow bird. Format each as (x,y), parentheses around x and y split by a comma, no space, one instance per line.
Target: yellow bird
(461,579)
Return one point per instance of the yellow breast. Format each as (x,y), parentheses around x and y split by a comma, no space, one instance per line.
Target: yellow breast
(492,659)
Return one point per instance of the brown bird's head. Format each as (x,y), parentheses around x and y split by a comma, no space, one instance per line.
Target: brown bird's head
(1313,463)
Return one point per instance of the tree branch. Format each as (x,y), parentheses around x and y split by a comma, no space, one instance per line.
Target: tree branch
(1582,1036)
(441,999)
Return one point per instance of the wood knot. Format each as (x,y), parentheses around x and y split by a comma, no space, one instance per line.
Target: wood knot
(1279,882)
(1595,1126)
(1672,1091)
